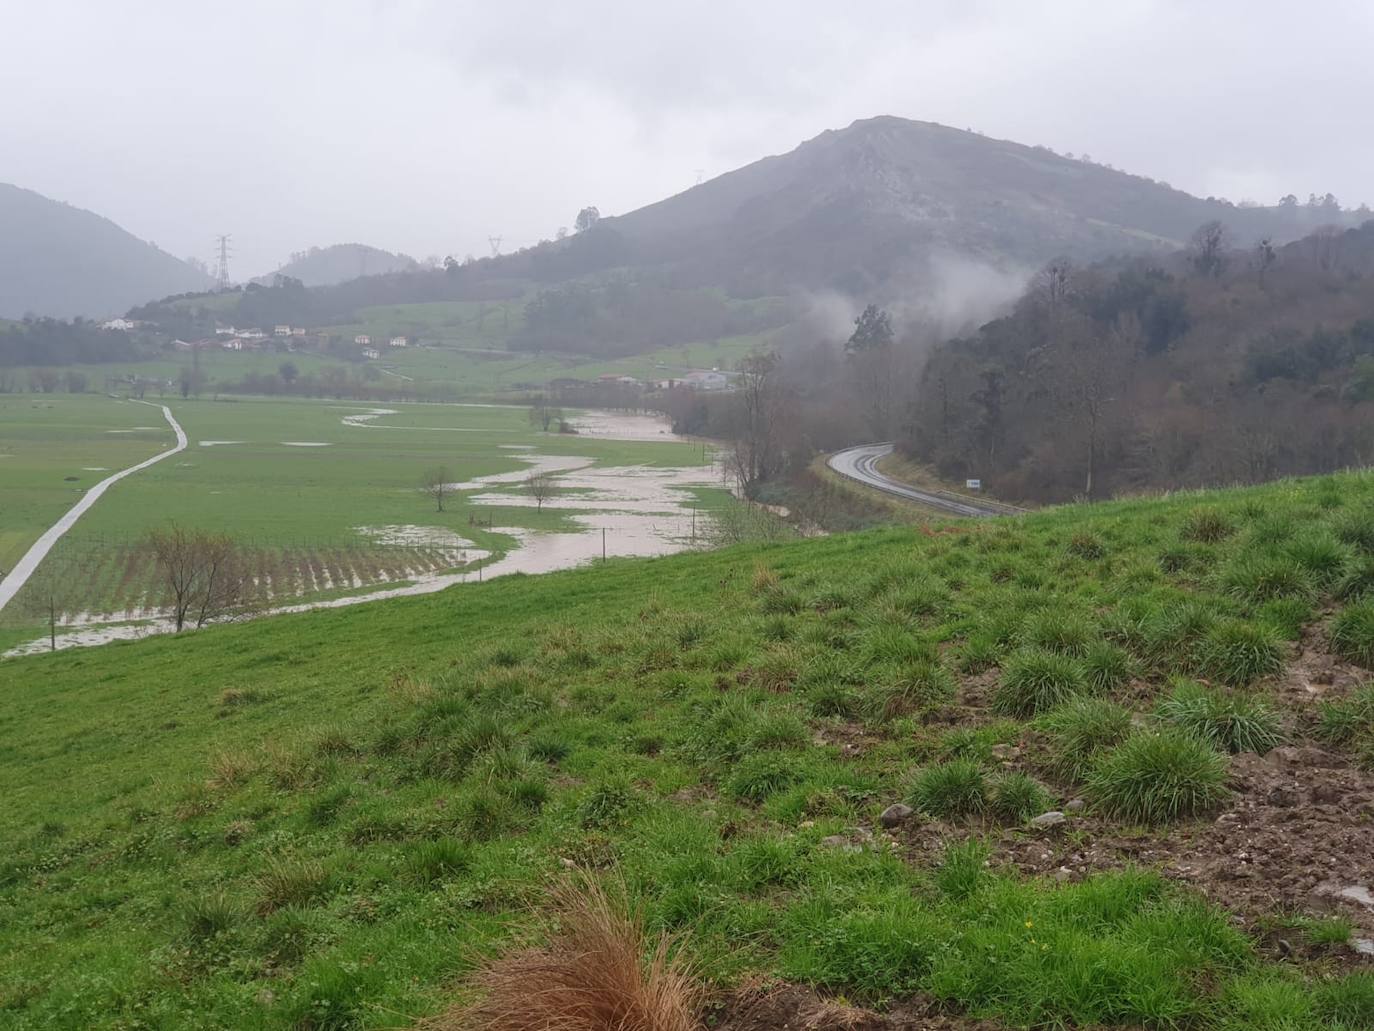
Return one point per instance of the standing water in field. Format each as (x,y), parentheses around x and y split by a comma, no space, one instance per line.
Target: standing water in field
(629,511)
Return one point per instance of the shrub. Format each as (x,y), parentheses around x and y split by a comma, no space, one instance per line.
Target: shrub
(950,790)
(1080,730)
(1207,526)
(1157,776)
(1059,632)
(288,882)
(1017,798)
(1352,634)
(1357,581)
(1087,545)
(1238,653)
(962,870)
(1356,528)
(1106,667)
(1349,721)
(759,776)
(599,971)
(433,861)
(607,804)
(907,689)
(1229,723)
(1321,555)
(1035,681)
(209,915)
(1260,578)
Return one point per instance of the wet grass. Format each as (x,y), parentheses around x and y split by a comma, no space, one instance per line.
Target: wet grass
(322,820)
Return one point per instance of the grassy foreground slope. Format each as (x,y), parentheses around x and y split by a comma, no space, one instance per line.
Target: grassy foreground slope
(321,821)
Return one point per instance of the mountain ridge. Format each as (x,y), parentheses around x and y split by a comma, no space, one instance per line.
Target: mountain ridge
(57,259)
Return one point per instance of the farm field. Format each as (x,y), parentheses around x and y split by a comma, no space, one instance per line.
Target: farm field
(443,372)
(1099,766)
(325,496)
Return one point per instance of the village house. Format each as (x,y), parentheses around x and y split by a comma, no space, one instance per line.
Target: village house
(398,341)
(121,324)
(298,331)
(371,352)
(281,331)
(362,340)
(712,380)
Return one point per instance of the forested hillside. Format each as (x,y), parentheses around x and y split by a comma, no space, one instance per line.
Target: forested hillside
(1212,365)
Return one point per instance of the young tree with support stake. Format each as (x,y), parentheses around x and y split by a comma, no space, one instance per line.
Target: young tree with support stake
(435,483)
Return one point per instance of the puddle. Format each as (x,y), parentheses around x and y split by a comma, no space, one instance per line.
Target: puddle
(364,417)
(306,443)
(621,426)
(218,443)
(90,468)
(416,536)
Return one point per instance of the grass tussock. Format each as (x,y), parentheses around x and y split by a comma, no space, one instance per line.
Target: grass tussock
(1155,777)
(599,970)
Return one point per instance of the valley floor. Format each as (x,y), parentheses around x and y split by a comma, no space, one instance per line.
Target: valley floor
(1094,766)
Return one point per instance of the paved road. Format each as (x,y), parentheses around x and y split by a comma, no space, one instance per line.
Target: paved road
(19,575)
(860,463)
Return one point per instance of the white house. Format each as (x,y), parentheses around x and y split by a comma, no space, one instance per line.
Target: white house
(281,331)
(298,331)
(398,341)
(233,345)
(371,352)
(251,334)
(224,331)
(120,324)
(363,340)
(712,380)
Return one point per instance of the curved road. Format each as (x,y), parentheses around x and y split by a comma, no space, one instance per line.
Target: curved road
(19,575)
(860,464)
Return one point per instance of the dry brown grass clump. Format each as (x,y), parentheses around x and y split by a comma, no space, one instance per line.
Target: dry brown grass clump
(599,971)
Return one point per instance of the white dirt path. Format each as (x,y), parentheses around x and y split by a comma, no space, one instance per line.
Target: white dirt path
(19,575)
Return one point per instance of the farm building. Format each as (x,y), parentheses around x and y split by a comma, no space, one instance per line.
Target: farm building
(398,341)
(362,340)
(281,331)
(371,352)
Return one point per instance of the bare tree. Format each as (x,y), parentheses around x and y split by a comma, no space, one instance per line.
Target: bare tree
(50,593)
(200,572)
(435,483)
(1265,256)
(545,415)
(1207,249)
(540,486)
(755,452)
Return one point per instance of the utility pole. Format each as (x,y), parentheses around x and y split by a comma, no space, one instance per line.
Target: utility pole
(222,266)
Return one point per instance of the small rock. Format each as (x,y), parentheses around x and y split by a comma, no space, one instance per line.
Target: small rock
(1047,820)
(862,833)
(1357,893)
(1063,874)
(807,823)
(568,864)
(1075,805)
(1285,798)
(895,815)
(835,841)
(1364,946)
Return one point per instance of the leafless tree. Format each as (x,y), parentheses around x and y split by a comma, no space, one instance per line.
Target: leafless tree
(50,593)
(545,415)
(201,573)
(755,451)
(1207,249)
(540,486)
(1265,256)
(435,483)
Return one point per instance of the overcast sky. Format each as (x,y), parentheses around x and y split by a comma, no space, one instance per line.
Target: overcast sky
(429,126)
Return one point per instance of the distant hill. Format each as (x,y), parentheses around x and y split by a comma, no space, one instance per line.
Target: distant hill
(62,261)
(326,266)
(858,207)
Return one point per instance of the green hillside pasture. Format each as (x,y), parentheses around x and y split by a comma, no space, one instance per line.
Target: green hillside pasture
(313,519)
(321,820)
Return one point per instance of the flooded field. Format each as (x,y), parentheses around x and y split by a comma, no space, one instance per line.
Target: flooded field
(605,510)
